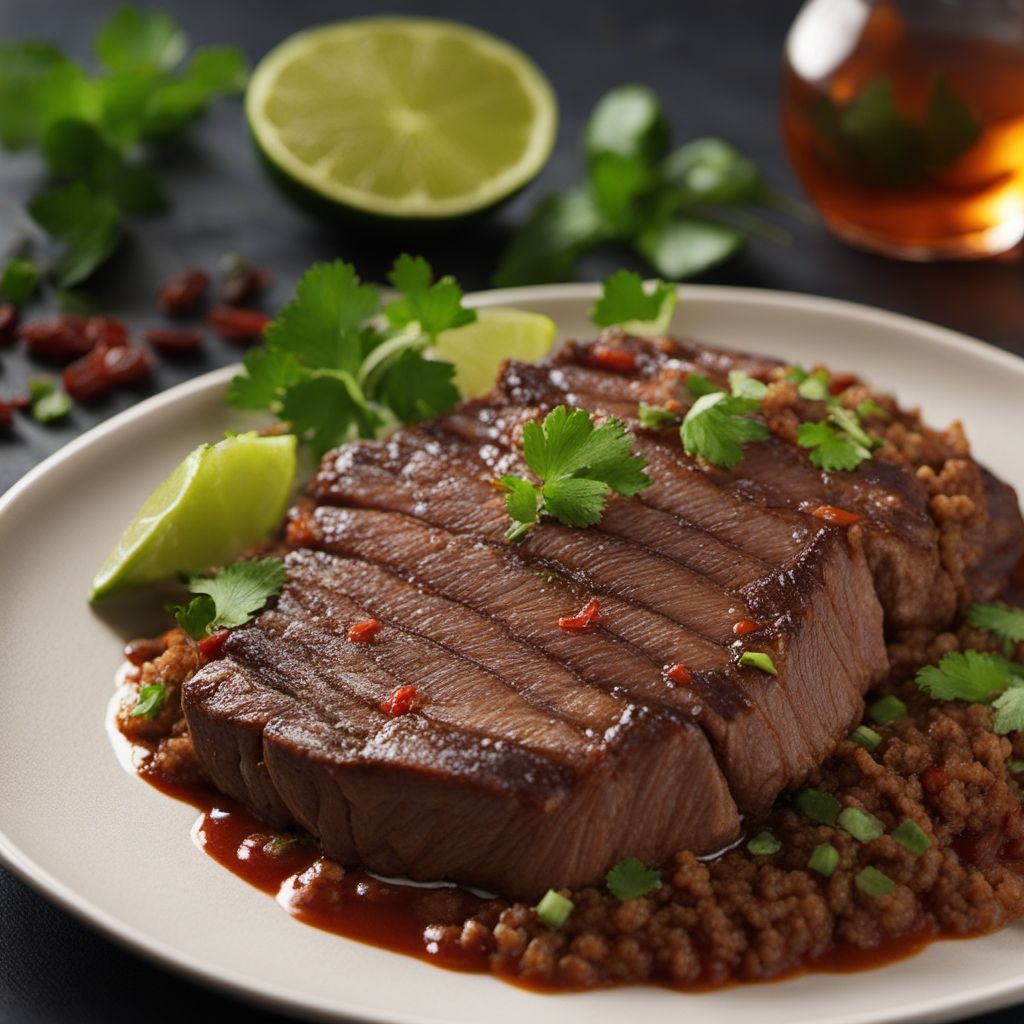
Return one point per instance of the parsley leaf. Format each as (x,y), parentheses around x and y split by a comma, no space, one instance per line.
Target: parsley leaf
(579,466)
(965,675)
(231,597)
(152,698)
(1005,622)
(630,879)
(717,426)
(19,281)
(86,222)
(625,301)
(831,450)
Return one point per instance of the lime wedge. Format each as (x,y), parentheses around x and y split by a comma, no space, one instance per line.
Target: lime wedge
(402,117)
(220,500)
(479,348)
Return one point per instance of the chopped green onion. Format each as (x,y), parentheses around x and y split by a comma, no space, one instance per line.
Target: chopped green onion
(824,859)
(764,844)
(869,407)
(861,825)
(40,385)
(554,909)
(755,659)
(910,835)
(814,387)
(54,406)
(887,709)
(818,806)
(1015,767)
(866,737)
(874,882)
(152,699)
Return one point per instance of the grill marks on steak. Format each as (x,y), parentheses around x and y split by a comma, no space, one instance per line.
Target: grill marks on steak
(537,757)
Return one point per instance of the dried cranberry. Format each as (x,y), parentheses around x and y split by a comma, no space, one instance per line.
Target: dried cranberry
(138,652)
(183,293)
(106,332)
(234,324)
(6,413)
(244,284)
(364,632)
(169,341)
(21,402)
(401,701)
(933,779)
(99,372)
(8,323)
(128,367)
(59,338)
(587,616)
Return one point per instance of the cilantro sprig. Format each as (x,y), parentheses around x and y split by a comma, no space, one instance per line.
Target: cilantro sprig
(336,364)
(631,878)
(230,597)
(681,210)
(88,126)
(837,443)
(1001,620)
(579,465)
(979,678)
(626,303)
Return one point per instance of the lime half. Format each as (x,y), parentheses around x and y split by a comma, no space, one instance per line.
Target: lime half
(402,117)
(221,500)
(479,348)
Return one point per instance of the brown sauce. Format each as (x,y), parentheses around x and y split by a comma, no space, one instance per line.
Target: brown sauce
(402,917)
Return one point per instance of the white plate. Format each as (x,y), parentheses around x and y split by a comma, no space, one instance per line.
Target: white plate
(114,851)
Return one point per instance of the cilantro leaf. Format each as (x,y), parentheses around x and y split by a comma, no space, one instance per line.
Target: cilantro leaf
(625,301)
(814,386)
(679,247)
(435,306)
(654,416)
(196,616)
(238,591)
(415,388)
(717,426)
(1009,710)
(75,149)
(152,699)
(579,466)
(709,170)
(322,325)
(965,675)
(328,407)
(23,66)
(87,223)
(628,121)
(698,386)
(831,450)
(630,879)
(19,281)
(268,373)
(1005,622)
(743,386)
(139,40)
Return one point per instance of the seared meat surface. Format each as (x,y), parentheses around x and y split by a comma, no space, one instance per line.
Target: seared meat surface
(534,756)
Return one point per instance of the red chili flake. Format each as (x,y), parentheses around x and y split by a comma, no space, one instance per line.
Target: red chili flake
(6,413)
(610,357)
(211,646)
(301,531)
(835,516)
(8,323)
(933,779)
(59,338)
(171,341)
(183,293)
(234,324)
(679,674)
(365,631)
(244,284)
(138,652)
(105,332)
(21,402)
(401,702)
(839,382)
(584,618)
(99,372)
(746,626)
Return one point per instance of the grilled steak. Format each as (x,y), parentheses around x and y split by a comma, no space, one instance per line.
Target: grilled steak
(535,756)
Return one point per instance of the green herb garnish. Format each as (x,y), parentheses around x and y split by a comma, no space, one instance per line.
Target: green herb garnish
(625,302)
(979,678)
(912,836)
(51,407)
(863,826)
(764,844)
(682,211)
(328,367)
(19,281)
(631,878)
(824,859)
(231,597)
(718,425)
(758,660)
(1001,620)
(866,737)
(873,882)
(579,466)
(554,910)
(152,698)
(887,709)
(654,416)
(1015,767)
(819,806)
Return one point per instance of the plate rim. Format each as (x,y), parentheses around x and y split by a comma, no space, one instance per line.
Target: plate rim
(995,996)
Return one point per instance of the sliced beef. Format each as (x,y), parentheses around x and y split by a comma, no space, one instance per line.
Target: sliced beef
(535,756)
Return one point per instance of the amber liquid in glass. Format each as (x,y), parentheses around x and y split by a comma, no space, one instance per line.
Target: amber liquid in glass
(913,145)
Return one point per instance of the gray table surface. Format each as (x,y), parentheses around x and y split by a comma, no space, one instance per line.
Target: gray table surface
(716,68)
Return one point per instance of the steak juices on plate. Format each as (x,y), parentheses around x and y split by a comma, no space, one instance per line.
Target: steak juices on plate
(477,739)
